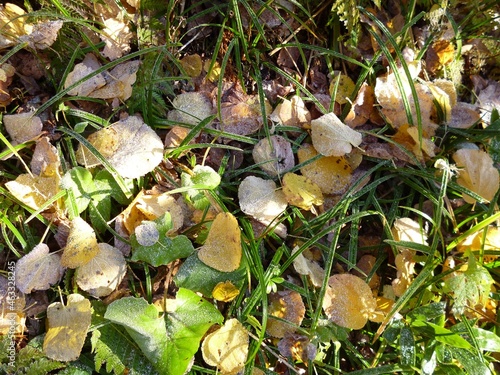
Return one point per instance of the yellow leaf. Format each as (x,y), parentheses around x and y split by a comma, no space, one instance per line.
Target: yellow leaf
(406,229)
(67,328)
(345,87)
(81,245)
(330,137)
(477,173)
(192,64)
(405,264)
(286,305)
(225,291)
(34,191)
(477,242)
(227,348)
(301,191)
(222,248)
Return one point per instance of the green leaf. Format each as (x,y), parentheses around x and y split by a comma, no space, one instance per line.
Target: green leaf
(432,311)
(440,334)
(79,180)
(153,246)
(198,277)
(106,186)
(494,140)
(171,341)
(407,347)
(203,178)
(473,364)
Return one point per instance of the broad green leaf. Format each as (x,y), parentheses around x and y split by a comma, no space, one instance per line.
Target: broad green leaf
(440,334)
(79,180)
(151,244)
(203,178)
(106,186)
(428,312)
(407,346)
(487,341)
(169,342)
(473,364)
(197,276)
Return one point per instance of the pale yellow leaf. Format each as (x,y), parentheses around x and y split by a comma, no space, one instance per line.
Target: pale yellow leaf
(301,192)
(81,245)
(330,137)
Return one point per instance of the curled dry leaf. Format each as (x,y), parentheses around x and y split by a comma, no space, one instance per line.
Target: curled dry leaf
(291,112)
(260,199)
(151,207)
(130,146)
(22,127)
(274,155)
(330,137)
(286,305)
(301,192)
(81,245)
(227,348)
(477,173)
(333,175)
(348,301)
(38,269)
(222,248)
(190,108)
(67,328)
(305,266)
(405,265)
(103,273)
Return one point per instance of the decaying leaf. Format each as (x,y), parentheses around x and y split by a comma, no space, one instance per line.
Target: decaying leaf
(477,173)
(45,158)
(464,115)
(225,291)
(43,34)
(81,245)
(38,269)
(119,82)
(192,65)
(222,248)
(301,192)
(286,305)
(332,174)
(349,301)
(67,328)
(23,127)
(362,107)
(190,108)
(291,112)
(227,348)
(330,137)
(274,155)
(151,207)
(12,308)
(306,266)
(408,136)
(147,233)
(405,265)
(261,199)
(13,24)
(130,146)
(103,273)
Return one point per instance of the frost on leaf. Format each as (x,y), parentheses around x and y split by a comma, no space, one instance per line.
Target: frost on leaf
(89,65)
(22,127)
(330,137)
(119,82)
(38,269)
(261,199)
(348,301)
(222,248)
(67,328)
(286,305)
(190,108)
(301,192)
(227,348)
(34,191)
(242,117)
(151,207)
(103,273)
(81,245)
(291,112)
(274,155)
(130,146)
(476,173)
(332,174)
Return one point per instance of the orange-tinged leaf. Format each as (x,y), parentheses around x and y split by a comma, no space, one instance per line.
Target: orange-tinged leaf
(291,112)
(405,265)
(227,348)
(222,248)
(348,301)
(331,174)
(225,291)
(81,245)
(477,173)
(67,328)
(301,191)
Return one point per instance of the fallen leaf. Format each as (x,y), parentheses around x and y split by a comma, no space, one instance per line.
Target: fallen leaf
(298,347)
(13,24)
(243,117)
(225,291)
(119,82)
(301,192)
(274,155)
(332,174)
(408,136)
(43,34)
(81,245)
(348,301)
(286,305)
(481,241)
(190,108)
(365,264)
(116,36)
(476,173)
(103,273)
(406,229)
(89,65)
(192,65)
(291,112)
(67,328)
(464,116)
(222,248)
(38,269)
(147,233)
(12,308)
(130,146)
(330,137)
(261,199)
(227,348)
(45,158)
(405,265)
(362,107)
(308,267)
(34,191)
(439,54)
(342,86)
(22,127)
